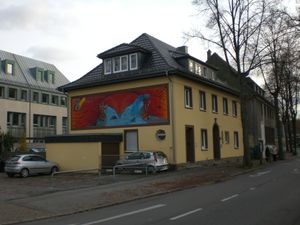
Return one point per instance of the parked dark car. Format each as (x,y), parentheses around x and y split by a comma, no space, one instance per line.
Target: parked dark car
(153,160)
(29,164)
(2,165)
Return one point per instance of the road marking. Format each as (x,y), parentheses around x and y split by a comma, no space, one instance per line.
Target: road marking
(186,214)
(260,173)
(125,214)
(230,197)
(252,188)
(296,171)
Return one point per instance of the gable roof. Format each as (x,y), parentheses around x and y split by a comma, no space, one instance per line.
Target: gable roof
(161,59)
(23,76)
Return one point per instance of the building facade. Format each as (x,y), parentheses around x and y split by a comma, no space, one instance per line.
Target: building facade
(30,104)
(260,111)
(153,97)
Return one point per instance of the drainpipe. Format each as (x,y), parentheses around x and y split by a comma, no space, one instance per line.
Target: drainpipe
(171,98)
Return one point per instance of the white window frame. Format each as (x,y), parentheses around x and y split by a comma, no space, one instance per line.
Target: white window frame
(214,100)
(204,139)
(131,141)
(9,68)
(202,103)
(121,63)
(234,108)
(225,106)
(136,61)
(226,137)
(107,66)
(188,99)
(116,59)
(236,139)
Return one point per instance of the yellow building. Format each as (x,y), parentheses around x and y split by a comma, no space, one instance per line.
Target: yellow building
(148,95)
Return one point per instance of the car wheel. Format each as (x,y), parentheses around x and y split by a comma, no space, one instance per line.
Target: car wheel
(24,173)
(151,169)
(54,169)
(10,174)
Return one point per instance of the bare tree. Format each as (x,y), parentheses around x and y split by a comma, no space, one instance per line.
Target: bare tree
(236,27)
(280,35)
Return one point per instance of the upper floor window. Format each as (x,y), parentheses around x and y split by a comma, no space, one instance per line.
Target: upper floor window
(45,98)
(16,119)
(107,66)
(225,106)
(63,101)
(24,95)
(234,108)
(35,97)
(64,125)
(54,99)
(124,63)
(214,99)
(204,71)
(2,92)
(133,61)
(227,138)
(9,68)
(188,102)
(202,100)
(12,93)
(117,64)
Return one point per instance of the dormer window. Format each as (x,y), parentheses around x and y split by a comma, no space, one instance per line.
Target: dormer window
(107,66)
(121,63)
(133,61)
(9,66)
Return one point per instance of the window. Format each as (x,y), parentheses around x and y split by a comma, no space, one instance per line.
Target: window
(24,95)
(44,121)
(133,61)
(35,97)
(117,64)
(204,71)
(214,103)
(12,93)
(9,68)
(131,140)
(64,125)
(124,63)
(234,108)
(188,97)
(63,101)
(236,139)
(107,66)
(54,99)
(227,139)
(16,119)
(45,98)
(202,101)
(204,143)
(191,66)
(225,106)
(2,92)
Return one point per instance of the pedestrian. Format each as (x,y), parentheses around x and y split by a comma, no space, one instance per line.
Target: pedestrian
(267,154)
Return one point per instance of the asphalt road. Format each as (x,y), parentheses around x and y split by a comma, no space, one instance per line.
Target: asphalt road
(265,197)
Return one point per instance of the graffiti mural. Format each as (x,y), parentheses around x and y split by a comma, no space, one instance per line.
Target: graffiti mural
(134,107)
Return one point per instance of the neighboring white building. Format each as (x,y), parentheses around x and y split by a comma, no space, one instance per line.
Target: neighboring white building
(29,100)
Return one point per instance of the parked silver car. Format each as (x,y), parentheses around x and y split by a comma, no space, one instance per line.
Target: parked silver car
(152,160)
(29,164)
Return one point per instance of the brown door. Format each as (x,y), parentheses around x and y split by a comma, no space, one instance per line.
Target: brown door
(110,155)
(216,140)
(190,145)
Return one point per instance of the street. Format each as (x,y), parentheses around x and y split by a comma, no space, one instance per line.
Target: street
(268,196)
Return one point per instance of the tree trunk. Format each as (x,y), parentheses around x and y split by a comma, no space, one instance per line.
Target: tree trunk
(278,128)
(294,134)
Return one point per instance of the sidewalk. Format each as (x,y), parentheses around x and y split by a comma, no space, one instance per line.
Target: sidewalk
(114,191)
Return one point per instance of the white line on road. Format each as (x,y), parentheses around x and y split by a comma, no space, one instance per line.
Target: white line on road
(230,197)
(125,214)
(260,173)
(186,214)
(252,188)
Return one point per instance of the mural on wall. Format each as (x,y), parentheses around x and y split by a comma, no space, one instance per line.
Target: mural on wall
(134,107)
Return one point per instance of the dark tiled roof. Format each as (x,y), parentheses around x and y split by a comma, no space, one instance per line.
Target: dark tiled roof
(160,60)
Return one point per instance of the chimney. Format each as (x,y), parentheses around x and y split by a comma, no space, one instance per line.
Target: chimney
(208,54)
(183,49)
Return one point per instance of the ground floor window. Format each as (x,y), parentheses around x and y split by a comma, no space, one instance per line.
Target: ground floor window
(204,143)
(236,139)
(131,140)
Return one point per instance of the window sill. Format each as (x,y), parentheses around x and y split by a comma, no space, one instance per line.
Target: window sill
(203,110)
(188,107)
(204,149)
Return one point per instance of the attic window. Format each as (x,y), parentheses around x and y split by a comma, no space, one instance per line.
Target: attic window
(49,76)
(133,61)
(37,73)
(107,66)
(120,63)
(9,66)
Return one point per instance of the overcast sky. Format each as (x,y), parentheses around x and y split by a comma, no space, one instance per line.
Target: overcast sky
(70,33)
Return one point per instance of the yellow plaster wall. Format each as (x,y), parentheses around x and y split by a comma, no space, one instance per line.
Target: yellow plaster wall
(204,120)
(75,156)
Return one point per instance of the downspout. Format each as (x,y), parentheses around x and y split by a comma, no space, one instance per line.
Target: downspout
(171,100)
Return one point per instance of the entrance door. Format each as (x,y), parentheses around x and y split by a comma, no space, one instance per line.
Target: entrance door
(216,140)
(190,145)
(110,155)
